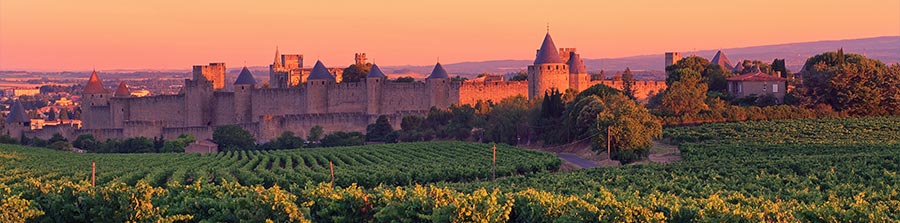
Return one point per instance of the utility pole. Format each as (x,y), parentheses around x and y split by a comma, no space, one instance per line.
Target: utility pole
(608,144)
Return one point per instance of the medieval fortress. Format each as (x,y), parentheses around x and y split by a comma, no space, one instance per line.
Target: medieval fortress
(299,98)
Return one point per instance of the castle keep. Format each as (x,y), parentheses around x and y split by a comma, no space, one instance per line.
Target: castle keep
(298,98)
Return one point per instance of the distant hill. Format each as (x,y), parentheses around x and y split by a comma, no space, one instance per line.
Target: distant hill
(886,49)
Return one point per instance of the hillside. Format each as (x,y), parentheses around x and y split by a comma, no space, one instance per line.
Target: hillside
(886,49)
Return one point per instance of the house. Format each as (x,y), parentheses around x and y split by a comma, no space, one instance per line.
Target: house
(757,83)
(202,147)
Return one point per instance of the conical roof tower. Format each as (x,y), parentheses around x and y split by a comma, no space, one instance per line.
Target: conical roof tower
(548,52)
(94,85)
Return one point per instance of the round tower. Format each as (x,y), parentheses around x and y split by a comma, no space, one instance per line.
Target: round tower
(95,104)
(439,87)
(317,88)
(243,96)
(549,70)
(374,82)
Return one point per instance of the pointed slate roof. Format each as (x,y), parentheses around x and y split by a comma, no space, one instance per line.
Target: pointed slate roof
(438,72)
(277,62)
(17,114)
(320,72)
(245,77)
(738,68)
(94,85)
(548,52)
(576,65)
(722,60)
(122,91)
(375,72)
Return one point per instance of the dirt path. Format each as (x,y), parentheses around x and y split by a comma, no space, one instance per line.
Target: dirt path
(664,153)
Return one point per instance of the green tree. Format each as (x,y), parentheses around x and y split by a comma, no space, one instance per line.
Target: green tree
(51,115)
(628,83)
(177,145)
(233,138)
(405,80)
(519,76)
(550,115)
(411,128)
(850,83)
(631,128)
(57,138)
(314,136)
(356,72)
(86,142)
(137,145)
(675,71)
(287,140)
(378,131)
(507,122)
(343,139)
(685,97)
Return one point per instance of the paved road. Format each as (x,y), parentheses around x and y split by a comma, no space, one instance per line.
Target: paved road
(583,163)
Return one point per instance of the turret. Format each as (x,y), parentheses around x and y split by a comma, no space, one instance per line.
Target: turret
(549,70)
(95,104)
(243,96)
(578,76)
(17,122)
(374,82)
(122,91)
(317,85)
(439,87)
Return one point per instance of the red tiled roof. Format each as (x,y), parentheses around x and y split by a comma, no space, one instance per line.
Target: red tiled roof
(94,86)
(122,91)
(757,76)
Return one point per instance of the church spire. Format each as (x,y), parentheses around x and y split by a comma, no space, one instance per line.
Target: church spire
(277,62)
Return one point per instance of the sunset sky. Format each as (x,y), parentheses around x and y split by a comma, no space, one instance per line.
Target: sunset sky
(166,34)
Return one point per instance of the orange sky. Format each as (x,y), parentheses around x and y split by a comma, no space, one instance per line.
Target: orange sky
(115,34)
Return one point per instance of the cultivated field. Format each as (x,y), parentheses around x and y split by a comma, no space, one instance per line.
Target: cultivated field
(831,170)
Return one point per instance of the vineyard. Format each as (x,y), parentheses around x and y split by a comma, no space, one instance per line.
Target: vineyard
(828,170)
(387,164)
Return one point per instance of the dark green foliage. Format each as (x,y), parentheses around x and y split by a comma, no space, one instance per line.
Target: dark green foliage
(6,139)
(343,139)
(550,115)
(628,83)
(851,83)
(378,131)
(314,136)
(177,145)
(86,142)
(520,76)
(505,123)
(57,138)
(356,72)
(232,137)
(405,80)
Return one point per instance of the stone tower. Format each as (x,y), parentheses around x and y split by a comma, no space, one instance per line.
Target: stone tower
(672,58)
(374,82)
(317,88)
(549,70)
(438,84)
(214,72)
(579,79)
(118,105)
(243,96)
(286,70)
(95,103)
(17,122)
(198,95)
(360,58)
